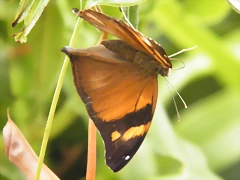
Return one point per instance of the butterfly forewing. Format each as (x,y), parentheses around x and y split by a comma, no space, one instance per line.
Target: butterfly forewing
(126,33)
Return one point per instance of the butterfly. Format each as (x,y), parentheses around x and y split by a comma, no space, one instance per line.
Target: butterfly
(117,81)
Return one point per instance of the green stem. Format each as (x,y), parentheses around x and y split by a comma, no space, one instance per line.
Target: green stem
(133,16)
(54,104)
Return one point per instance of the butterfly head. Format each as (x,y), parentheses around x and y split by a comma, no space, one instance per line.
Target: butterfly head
(162,62)
(163,70)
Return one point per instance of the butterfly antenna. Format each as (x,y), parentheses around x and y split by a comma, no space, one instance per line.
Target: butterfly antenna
(183,50)
(175,59)
(169,85)
(125,17)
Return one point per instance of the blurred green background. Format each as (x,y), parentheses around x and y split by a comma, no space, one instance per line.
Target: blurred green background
(204,145)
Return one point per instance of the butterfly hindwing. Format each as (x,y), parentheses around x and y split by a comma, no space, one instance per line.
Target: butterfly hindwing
(120,98)
(130,130)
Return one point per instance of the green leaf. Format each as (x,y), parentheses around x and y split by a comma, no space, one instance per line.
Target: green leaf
(209,11)
(168,143)
(30,12)
(214,130)
(22,12)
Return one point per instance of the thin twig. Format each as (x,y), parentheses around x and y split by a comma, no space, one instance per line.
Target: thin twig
(91,157)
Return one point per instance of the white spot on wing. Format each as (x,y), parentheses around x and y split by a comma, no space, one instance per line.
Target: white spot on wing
(127,157)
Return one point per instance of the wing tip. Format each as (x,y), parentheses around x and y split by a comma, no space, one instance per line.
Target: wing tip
(114,167)
(75,10)
(83,12)
(66,50)
(116,163)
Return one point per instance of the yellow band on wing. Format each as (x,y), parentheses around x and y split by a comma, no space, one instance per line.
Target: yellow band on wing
(135,131)
(115,135)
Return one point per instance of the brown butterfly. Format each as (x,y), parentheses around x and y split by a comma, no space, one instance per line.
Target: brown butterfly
(117,81)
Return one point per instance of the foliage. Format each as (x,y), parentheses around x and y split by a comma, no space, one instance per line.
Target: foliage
(204,145)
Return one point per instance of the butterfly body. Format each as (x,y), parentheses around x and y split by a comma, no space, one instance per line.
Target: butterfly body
(117,81)
(142,59)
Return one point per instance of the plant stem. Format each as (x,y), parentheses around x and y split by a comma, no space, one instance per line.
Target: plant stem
(91,156)
(133,16)
(54,104)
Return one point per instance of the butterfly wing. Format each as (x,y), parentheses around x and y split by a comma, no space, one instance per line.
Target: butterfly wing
(126,33)
(120,98)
